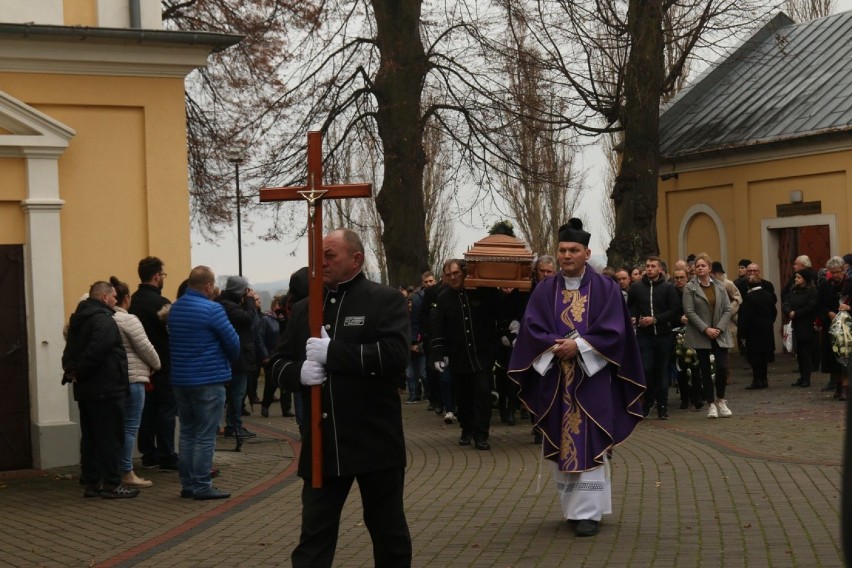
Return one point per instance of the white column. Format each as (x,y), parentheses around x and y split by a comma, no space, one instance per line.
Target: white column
(54,435)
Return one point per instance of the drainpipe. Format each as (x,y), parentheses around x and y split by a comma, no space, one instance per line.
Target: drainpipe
(135,14)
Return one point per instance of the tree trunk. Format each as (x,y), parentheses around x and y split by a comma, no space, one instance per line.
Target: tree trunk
(635,189)
(398,89)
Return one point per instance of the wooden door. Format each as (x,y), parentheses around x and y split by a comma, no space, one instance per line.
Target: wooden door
(15,445)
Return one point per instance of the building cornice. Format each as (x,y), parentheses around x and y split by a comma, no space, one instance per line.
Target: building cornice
(77,50)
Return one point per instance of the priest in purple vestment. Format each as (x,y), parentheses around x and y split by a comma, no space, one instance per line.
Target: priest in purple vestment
(577,363)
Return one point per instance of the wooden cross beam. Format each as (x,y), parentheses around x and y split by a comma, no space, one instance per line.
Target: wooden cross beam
(315,192)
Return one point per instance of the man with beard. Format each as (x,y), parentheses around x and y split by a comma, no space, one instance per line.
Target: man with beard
(157,429)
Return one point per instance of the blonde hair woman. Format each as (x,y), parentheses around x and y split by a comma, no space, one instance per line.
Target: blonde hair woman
(708,313)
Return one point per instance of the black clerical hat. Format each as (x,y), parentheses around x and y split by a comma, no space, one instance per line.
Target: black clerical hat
(572,232)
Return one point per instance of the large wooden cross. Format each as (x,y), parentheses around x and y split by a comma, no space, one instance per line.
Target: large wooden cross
(314,192)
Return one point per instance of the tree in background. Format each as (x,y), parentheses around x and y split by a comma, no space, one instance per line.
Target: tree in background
(807,10)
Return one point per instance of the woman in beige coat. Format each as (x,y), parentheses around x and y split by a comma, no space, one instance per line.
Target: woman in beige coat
(142,360)
(708,313)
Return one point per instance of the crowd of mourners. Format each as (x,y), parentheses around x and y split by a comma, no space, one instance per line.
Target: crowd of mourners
(584,354)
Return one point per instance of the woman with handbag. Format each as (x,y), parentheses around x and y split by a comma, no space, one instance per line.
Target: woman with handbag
(801,308)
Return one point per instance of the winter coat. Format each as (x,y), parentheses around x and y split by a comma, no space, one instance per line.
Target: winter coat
(95,354)
(757,319)
(803,301)
(202,341)
(361,410)
(697,311)
(243,316)
(145,304)
(658,299)
(141,356)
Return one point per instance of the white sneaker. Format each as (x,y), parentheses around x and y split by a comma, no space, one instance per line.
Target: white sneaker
(713,412)
(449,418)
(724,411)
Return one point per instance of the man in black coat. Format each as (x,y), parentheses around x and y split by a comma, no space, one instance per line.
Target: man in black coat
(156,438)
(95,362)
(655,307)
(358,362)
(464,338)
(755,326)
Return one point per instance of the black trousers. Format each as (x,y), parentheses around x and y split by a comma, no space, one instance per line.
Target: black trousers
(384,517)
(473,402)
(156,437)
(102,441)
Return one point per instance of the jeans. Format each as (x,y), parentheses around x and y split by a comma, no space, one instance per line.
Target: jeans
(236,394)
(199,409)
(656,351)
(133,405)
(415,373)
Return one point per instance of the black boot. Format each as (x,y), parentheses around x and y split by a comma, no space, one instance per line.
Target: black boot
(754,386)
(798,383)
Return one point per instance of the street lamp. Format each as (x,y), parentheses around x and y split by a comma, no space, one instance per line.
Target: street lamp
(235,156)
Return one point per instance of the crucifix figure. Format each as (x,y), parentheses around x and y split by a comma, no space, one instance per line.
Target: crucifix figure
(314,193)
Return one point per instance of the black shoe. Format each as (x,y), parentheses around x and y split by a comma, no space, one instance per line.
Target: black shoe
(464,440)
(264,411)
(169,466)
(90,491)
(118,492)
(150,464)
(287,414)
(662,414)
(684,404)
(587,527)
(698,405)
(797,383)
(245,411)
(483,445)
(186,493)
(246,434)
(210,493)
(754,386)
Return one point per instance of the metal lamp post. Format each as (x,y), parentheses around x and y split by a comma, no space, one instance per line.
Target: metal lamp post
(235,156)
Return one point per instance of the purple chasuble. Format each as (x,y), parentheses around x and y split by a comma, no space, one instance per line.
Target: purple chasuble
(580,417)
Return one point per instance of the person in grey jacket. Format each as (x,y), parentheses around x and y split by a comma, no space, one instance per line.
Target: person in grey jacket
(708,313)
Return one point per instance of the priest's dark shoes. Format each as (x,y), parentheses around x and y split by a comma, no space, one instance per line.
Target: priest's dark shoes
(587,527)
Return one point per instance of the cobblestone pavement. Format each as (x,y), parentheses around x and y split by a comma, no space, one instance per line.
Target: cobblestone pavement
(759,489)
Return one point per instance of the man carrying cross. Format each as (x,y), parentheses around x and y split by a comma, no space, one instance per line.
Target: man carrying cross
(357,361)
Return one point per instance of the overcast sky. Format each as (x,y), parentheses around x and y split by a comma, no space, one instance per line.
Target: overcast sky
(267,262)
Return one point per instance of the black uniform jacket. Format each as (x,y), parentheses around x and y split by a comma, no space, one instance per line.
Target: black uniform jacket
(368,353)
(464,329)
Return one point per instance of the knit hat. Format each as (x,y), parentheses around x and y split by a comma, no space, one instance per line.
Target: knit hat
(236,285)
(847,258)
(716,267)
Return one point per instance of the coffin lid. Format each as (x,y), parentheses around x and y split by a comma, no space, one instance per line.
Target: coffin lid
(499,248)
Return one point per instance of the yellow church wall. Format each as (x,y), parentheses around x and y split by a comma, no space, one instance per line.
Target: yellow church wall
(126,170)
(80,12)
(745,195)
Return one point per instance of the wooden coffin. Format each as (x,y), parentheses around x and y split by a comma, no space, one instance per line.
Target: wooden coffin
(499,261)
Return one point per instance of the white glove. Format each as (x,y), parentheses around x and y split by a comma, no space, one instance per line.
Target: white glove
(441,365)
(317,348)
(313,374)
(514,326)
(505,341)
